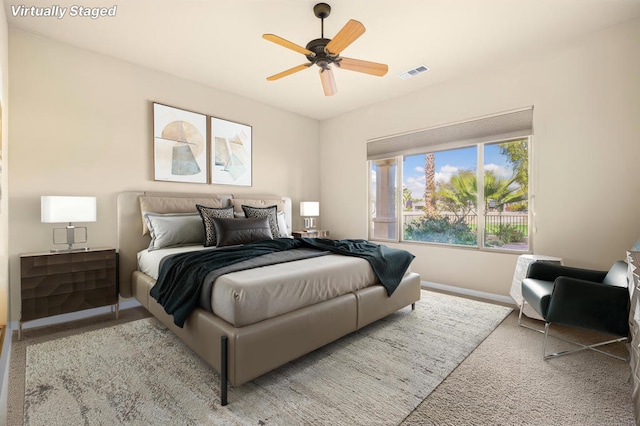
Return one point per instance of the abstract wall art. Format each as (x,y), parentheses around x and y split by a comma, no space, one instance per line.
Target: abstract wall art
(179,145)
(230,153)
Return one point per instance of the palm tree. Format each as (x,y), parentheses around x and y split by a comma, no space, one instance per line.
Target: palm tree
(502,191)
(460,194)
(430,184)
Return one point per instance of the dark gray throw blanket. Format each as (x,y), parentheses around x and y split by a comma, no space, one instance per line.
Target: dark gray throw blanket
(181,276)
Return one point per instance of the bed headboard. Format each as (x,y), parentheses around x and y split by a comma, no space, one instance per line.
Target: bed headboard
(129,225)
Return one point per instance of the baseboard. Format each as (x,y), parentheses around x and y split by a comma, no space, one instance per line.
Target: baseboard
(467,292)
(5,359)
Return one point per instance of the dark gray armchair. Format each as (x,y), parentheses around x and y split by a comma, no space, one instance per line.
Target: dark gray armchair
(584,298)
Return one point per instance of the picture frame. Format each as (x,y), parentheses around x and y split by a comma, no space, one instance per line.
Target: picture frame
(231,153)
(180,145)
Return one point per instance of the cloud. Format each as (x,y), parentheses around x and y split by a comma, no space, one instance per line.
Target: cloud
(419,169)
(500,171)
(445,173)
(415,186)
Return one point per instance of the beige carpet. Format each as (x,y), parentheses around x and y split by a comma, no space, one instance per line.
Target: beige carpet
(503,382)
(139,373)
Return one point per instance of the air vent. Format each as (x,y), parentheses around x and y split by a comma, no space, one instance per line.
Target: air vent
(405,75)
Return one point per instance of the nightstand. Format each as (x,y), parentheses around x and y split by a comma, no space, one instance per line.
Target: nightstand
(319,233)
(59,283)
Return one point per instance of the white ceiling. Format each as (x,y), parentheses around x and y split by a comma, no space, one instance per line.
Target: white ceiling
(218,42)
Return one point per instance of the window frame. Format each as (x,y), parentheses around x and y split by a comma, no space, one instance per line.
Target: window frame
(480,202)
(398,178)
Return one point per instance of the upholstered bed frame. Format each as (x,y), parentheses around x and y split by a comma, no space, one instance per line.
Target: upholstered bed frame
(242,354)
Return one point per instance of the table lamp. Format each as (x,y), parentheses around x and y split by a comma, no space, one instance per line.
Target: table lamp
(68,209)
(309,210)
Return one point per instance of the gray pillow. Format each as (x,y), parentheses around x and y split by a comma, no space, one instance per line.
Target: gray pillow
(173,229)
(241,231)
(270,213)
(283,228)
(208,214)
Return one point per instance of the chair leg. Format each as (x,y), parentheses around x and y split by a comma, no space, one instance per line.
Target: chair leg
(520,314)
(525,325)
(582,347)
(544,344)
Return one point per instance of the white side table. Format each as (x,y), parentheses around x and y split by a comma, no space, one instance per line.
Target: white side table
(520,273)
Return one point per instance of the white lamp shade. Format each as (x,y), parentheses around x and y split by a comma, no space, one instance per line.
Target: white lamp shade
(59,209)
(309,208)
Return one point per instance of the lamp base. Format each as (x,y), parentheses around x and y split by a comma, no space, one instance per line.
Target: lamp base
(70,238)
(309,224)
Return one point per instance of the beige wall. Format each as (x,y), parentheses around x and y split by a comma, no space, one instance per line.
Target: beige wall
(4,170)
(81,125)
(586,148)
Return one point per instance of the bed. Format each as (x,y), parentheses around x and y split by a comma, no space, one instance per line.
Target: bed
(242,345)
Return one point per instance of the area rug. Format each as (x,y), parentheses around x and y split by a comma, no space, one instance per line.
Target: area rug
(139,373)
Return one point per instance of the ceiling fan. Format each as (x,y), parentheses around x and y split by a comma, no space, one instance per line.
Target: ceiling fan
(324,51)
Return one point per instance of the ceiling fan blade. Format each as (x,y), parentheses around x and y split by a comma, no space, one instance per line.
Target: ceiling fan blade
(289,71)
(366,67)
(328,82)
(288,44)
(347,35)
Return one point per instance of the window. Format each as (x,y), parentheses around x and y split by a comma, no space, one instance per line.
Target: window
(464,185)
(447,199)
(442,197)
(506,195)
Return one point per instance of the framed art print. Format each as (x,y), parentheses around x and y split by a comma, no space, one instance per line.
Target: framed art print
(230,153)
(179,145)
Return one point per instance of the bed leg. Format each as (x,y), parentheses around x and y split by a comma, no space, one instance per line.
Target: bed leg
(224,341)
(413,306)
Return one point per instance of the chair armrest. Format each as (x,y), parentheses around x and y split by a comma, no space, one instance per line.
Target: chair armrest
(589,305)
(550,271)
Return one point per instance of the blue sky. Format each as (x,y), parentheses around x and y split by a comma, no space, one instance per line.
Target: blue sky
(449,163)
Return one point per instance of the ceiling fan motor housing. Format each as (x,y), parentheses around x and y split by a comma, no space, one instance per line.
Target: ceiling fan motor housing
(318,46)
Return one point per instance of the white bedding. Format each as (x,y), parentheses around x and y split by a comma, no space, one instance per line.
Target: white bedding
(149,261)
(246,297)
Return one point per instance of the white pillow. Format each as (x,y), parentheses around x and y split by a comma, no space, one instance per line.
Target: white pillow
(174,229)
(285,232)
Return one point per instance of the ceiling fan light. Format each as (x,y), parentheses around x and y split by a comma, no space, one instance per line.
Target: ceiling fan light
(328,82)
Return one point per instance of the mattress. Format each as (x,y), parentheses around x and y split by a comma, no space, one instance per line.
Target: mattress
(246,297)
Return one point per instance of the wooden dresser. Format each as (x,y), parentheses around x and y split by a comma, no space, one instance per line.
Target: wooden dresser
(59,283)
(634,327)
